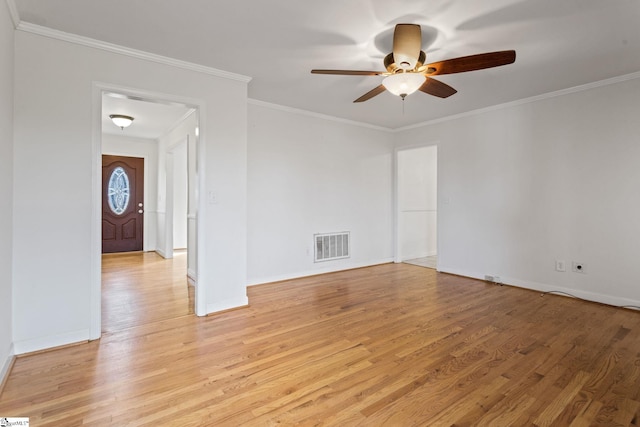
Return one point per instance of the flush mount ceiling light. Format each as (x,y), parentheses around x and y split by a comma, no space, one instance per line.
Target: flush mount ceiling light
(403,84)
(121,121)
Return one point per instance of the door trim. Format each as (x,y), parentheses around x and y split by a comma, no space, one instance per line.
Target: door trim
(95,287)
(171,168)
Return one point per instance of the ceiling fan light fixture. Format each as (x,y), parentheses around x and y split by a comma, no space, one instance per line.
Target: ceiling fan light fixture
(403,84)
(121,121)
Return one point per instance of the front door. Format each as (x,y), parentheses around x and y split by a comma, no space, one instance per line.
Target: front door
(122,203)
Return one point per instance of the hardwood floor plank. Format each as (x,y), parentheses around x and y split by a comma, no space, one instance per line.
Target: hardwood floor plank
(587,415)
(473,407)
(393,344)
(557,405)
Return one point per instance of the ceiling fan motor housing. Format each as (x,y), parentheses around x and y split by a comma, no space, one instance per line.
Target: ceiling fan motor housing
(392,67)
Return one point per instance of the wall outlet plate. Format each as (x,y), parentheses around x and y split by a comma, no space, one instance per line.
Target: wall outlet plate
(560,266)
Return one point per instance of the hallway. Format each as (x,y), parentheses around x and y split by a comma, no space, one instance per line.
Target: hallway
(142,287)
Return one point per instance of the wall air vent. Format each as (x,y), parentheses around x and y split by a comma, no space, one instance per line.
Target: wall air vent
(331,246)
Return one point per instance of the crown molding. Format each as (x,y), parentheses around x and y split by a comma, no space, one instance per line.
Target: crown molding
(139,54)
(511,104)
(316,115)
(110,47)
(13,11)
(575,89)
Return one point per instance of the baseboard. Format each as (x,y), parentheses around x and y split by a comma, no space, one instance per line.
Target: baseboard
(30,346)
(191,275)
(323,270)
(228,304)
(161,253)
(543,287)
(6,368)
(585,295)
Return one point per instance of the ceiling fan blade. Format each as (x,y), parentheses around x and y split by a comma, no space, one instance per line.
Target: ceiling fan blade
(472,62)
(407,42)
(348,72)
(373,92)
(437,88)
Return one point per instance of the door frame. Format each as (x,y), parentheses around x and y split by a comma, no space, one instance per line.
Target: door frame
(170,202)
(95,286)
(396,199)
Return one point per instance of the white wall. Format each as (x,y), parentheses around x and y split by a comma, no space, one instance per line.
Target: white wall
(56,111)
(147,149)
(556,179)
(310,175)
(417,202)
(6,186)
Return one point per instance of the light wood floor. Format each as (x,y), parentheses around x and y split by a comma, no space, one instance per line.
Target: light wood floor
(140,288)
(391,345)
(428,261)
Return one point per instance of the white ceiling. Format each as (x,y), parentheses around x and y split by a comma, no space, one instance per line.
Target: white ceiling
(151,119)
(559,43)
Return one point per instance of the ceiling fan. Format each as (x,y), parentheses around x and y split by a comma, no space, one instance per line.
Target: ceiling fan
(407,71)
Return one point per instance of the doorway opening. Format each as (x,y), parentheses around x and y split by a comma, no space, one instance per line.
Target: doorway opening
(157,280)
(417,206)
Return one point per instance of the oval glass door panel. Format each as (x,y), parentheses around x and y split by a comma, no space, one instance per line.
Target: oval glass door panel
(118,191)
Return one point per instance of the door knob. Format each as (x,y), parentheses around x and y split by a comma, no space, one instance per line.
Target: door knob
(140,211)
